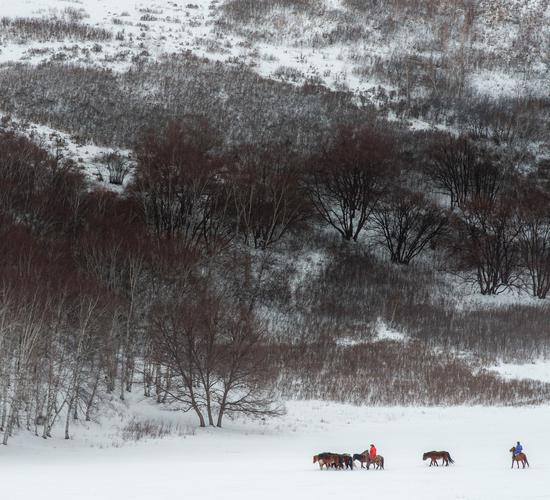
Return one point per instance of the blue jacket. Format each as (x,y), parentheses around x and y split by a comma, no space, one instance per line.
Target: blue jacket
(519,449)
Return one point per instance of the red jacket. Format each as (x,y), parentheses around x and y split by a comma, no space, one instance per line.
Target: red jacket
(372,452)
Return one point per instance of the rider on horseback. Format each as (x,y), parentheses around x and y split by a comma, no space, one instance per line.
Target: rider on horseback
(372,452)
(519,449)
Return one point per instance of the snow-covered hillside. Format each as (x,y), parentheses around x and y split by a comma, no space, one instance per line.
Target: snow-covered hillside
(409,54)
(341,43)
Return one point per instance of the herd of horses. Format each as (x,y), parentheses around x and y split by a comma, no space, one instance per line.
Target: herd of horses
(342,461)
(331,460)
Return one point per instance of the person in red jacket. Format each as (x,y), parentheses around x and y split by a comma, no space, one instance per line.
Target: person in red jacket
(372,452)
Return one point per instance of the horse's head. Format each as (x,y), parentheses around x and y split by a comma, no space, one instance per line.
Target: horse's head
(425,456)
(315,458)
(513,449)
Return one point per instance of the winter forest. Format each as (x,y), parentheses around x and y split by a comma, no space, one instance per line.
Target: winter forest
(229,226)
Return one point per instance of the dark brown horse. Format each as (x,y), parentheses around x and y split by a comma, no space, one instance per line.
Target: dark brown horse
(520,457)
(364,458)
(346,462)
(434,456)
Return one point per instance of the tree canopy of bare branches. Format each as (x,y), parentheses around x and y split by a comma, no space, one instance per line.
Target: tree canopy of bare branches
(266,193)
(407,223)
(348,179)
(534,240)
(465,172)
(487,242)
(213,357)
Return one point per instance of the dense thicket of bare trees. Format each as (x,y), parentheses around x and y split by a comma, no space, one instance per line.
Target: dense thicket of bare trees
(165,287)
(90,281)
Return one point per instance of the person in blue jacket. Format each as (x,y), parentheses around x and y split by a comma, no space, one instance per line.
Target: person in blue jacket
(519,449)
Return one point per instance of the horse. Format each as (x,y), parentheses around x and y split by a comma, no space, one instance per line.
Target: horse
(434,456)
(327,459)
(362,458)
(346,462)
(378,462)
(365,458)
(520,457)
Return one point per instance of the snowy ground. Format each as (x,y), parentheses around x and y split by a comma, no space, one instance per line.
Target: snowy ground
(537,370)
(274,459)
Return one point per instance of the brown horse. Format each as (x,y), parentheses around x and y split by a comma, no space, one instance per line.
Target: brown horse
(520,457)
(434,456)
(327,459)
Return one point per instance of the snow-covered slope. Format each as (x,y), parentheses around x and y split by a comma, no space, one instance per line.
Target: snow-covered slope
(341,43)
(410,49)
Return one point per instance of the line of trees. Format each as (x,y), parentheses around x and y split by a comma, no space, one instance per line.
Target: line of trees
(100,292)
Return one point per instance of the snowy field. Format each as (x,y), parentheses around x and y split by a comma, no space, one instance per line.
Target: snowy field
(273,459)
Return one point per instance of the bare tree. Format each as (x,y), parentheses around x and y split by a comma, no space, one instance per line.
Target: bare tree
(244,371)
(407,223)
(465,172)
(487,242)
(117,165)
(266,194)
(175,180)
(213,357)
(347,181)
(175,338)
(29,319)
(534,240)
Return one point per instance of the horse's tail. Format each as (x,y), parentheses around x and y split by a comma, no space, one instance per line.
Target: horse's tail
(449,457)
(526,461)
(382,462)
